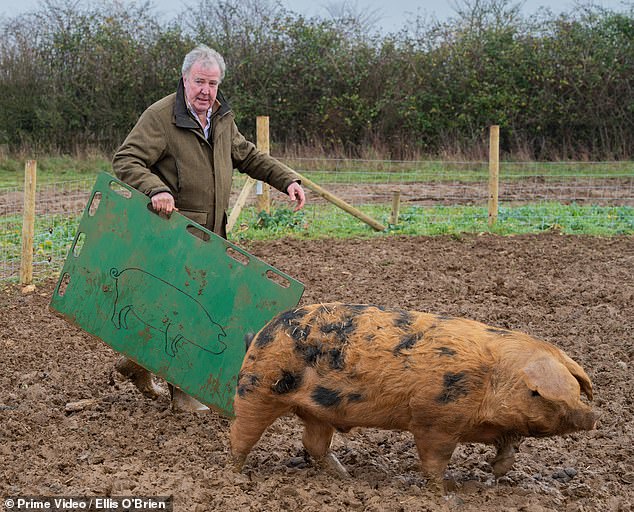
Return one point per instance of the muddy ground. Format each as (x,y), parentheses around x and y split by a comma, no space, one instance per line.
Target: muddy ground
(577,292)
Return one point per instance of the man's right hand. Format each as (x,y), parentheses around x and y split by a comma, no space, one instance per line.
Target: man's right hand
(163,202)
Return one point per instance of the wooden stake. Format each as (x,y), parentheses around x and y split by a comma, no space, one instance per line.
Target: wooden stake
(28,223)
(263,190)
(242,199)
(494,173)
(341,204)
(396,203)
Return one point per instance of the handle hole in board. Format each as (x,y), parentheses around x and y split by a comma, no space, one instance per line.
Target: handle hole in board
(94,204)
(198,233)
(162,215)
(63,284)
(120,189)
(278,279)
(238,256)
(79,244)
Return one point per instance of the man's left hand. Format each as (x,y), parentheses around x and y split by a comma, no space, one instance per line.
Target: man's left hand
(296,193)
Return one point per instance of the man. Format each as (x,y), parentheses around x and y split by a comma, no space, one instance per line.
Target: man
(182,153)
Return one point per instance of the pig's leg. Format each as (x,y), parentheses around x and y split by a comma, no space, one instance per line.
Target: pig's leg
(435,452)
(317,439)
(253,417)
(505,457)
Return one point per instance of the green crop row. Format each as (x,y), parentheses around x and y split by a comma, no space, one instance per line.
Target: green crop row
(54,234)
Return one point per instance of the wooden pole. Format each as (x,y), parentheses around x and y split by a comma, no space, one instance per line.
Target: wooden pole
(341,204)
(494,173)
(242,198)
(396,203)
(263,191)
(28,223)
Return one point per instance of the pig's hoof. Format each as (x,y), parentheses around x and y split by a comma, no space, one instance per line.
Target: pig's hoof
(332,461)
(437,486)
(182,402)
(502,465)
(237,463)
(139,376)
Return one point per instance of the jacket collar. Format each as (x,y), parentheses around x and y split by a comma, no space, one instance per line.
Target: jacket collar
(183,118)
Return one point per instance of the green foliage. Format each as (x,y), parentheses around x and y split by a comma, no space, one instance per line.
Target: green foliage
(76,76)
(327,221)
(280,220)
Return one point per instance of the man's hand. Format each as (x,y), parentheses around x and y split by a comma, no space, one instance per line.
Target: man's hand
(296,193)
(163,203)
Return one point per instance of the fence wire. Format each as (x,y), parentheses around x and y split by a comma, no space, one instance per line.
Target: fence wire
(438,194)
(58,208)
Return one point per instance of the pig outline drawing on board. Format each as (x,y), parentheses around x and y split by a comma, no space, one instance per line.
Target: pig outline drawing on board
(156,317)
(446,380)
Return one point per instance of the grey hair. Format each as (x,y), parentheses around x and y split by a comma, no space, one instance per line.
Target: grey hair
(205,55)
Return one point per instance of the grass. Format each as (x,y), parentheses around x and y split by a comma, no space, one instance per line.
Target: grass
(54,233)
(327,221)
(53,169)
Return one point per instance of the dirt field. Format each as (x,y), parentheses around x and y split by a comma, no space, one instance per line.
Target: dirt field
(577,292)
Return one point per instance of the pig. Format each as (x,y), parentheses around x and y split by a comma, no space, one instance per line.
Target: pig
(446,380)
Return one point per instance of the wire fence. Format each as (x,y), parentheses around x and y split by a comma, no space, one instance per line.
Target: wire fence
(58,209)
(443,193)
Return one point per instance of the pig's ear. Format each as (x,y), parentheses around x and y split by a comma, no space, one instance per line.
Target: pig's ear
(579,374)
(551,380)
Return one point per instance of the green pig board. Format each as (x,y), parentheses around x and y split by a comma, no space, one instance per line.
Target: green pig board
(168,293)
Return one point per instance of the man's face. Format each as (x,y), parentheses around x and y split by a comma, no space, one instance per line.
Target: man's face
(201,86)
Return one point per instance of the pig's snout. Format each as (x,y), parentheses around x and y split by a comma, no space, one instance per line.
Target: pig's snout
(590,421)
(583,420)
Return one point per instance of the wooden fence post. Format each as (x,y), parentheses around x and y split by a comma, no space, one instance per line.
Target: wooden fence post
(396,203)
(28,223)
(494,173)
(262,190)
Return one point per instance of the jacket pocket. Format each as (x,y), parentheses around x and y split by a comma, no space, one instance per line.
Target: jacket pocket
(197,216)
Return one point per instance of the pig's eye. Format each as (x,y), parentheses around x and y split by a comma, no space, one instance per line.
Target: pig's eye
(535,393)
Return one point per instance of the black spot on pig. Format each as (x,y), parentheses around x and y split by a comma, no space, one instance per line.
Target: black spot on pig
(291,316)
(266,335)
(313,353)
(336,359)
(309,353)
(356,309)
(408,342)
(403,319)
(326,397)
(340,329)
(455,385)
(299,333)
(446,351)
(246,383)
(354,397)
(287,382)
(501,332)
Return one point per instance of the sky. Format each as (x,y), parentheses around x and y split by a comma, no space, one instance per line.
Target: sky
(391,15)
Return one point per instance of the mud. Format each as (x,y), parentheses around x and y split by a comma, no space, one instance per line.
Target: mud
(70,426)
